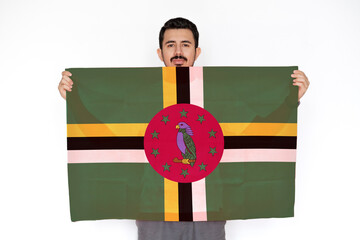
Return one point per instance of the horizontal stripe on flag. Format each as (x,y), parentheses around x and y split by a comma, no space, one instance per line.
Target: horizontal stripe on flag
(259,129)
(138,129)
(138,156)
(82,143)
(107,156)
(107,130)
(233,142)
(259,155)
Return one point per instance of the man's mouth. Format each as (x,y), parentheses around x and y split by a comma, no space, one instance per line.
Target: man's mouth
(178,60)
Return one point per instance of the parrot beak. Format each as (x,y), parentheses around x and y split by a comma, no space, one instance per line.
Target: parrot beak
(177,126)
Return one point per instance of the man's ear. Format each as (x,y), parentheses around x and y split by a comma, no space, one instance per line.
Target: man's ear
(159,52)
(197,52)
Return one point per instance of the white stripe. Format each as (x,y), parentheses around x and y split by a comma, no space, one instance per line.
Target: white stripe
(258,155)
(107,156)
(198,187)
(199,200)
(196,86)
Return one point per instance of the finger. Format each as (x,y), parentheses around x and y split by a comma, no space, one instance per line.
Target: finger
(66,73)
(65,86)
(299,80)
(302,80)
(298,71)
(64,83)
(296,75)
(67,79)
(300,85)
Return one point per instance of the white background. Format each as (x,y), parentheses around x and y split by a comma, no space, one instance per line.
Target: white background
(39,38)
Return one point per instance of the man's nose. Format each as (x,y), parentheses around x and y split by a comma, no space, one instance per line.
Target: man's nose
(178,50)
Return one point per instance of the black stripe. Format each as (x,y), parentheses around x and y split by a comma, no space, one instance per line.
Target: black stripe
(184,189)
(182,85)
(185,202)
(233,142)
(83,143)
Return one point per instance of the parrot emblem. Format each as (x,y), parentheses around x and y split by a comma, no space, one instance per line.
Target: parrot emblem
(185,144)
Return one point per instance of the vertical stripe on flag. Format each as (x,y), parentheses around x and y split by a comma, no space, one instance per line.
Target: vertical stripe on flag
(182,85)
(171,194)
(183,96)
(197,86)
(198,187)
(199,200)
(169,86)
(171,200)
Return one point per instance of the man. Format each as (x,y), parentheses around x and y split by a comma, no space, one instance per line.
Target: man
(178,47)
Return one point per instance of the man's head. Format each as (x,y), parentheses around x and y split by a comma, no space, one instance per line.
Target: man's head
(178,40)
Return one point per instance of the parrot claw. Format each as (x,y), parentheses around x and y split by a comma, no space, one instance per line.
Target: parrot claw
(185,161)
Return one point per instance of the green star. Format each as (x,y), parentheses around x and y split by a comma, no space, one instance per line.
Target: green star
(202,167)
(183,113)
(165,119)
(212,133)
(201,118)
(155,152)
(166,167)
(184,172)
(155,134)
(213,151)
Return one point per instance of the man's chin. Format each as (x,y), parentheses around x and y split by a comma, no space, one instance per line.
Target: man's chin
(184,64)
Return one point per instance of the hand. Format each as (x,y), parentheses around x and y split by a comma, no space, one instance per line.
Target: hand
(301,81)
(65,83)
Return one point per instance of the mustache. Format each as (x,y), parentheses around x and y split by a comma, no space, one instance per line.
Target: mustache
(178,57)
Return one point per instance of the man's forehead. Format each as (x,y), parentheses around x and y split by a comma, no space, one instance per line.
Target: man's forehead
(178,35)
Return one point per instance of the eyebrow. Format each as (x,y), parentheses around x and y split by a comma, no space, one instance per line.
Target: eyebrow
(172,41)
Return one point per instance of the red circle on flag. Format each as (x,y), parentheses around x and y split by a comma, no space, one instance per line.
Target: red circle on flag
(184,143)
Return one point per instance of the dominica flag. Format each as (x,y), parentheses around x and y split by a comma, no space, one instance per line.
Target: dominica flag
(181,144)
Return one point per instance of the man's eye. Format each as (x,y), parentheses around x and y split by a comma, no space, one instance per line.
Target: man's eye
(186,45)
(170,45)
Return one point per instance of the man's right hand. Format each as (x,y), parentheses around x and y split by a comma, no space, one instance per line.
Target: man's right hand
(65,83)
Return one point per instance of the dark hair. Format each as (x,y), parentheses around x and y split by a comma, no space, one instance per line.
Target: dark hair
(179,23)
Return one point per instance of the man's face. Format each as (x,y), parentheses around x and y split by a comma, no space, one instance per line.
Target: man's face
(178,48)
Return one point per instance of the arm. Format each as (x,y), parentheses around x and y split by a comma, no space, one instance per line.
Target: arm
(65,84)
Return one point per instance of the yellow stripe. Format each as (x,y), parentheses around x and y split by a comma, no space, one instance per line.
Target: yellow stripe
(171,192)
(107,130)
(259,129)
(169,86)
(138,129)
(171,200)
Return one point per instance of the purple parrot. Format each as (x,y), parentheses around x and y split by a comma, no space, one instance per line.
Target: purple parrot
(185,143)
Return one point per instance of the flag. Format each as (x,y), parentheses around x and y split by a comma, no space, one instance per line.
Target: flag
(181,144)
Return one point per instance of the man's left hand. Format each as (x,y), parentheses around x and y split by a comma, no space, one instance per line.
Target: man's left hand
(301,81)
